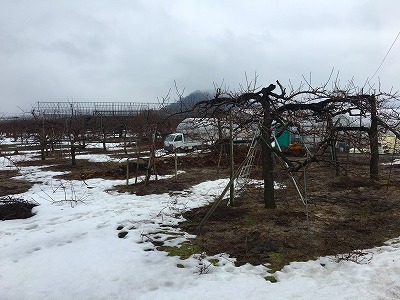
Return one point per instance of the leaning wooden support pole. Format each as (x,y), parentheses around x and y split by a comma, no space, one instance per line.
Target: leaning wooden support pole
(221,197)
(290,173)
(217,202)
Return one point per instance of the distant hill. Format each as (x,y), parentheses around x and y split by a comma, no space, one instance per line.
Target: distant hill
(187,103)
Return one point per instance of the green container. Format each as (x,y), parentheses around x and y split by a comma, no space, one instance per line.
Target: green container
(284,138)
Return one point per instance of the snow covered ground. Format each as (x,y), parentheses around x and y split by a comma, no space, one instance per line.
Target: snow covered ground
(72,251)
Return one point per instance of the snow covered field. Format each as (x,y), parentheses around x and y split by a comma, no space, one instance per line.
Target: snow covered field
(73,251)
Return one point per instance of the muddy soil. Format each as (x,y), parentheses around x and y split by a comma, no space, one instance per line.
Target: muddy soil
(344,213)
(10,185)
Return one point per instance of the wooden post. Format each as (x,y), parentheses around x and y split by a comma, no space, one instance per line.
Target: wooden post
(137,158)
(103,131)
(125,140)
(176,166)
(334,157)
(151,160)
(346,172)
(153,154)
(127,171)
(232,162)
(42,141)
(148,173)
(373,141)
(391,163)
(221,197)
(220,157)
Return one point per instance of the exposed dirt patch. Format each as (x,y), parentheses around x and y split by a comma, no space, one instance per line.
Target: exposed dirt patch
(85,169)
(11,186)
(192,169)
(182,181)
(345,213)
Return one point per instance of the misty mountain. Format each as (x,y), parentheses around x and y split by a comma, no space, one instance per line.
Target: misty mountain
(187,103)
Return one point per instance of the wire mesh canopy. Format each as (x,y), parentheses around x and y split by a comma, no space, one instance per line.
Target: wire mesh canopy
(93,108)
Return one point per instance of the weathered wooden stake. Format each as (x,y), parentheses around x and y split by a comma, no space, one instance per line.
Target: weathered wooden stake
(176,166)
(127,171)
(232,162)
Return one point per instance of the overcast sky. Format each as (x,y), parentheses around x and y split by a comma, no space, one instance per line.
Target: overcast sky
(134,50)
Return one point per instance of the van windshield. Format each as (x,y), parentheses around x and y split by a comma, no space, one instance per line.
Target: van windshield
(170,138)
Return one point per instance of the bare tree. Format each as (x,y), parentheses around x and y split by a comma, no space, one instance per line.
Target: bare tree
(75,131)
(294,108)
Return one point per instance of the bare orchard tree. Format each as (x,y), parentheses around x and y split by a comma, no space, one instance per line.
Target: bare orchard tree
(75,130)
(49,129)
(39,123)
(279,108)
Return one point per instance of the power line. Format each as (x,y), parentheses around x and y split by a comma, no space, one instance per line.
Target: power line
(383,60)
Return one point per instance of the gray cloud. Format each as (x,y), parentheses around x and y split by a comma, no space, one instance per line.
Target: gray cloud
(135,50)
